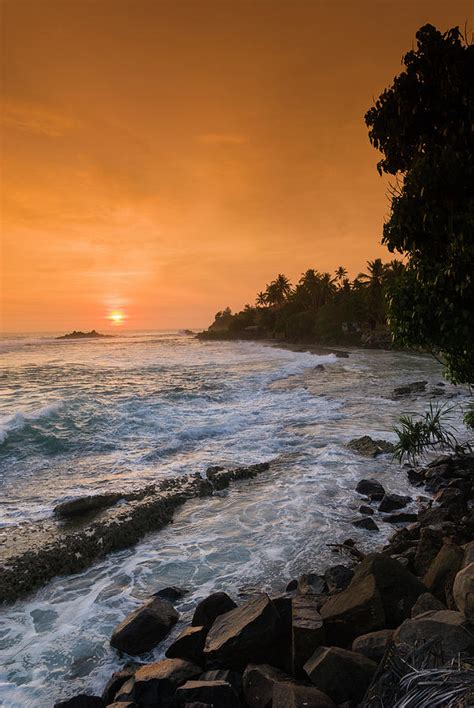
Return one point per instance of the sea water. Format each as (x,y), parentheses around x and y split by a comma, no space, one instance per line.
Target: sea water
(81,417)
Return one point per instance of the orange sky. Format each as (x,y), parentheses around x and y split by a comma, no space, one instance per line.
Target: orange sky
(169,158)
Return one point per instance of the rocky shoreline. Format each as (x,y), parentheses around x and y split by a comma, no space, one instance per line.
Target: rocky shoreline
(358,634)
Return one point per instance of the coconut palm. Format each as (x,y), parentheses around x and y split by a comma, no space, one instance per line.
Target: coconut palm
(261,299)
(375,276)
(340,274)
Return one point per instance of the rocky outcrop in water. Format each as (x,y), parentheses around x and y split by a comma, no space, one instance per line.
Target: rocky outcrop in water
(35,553)
(368,447)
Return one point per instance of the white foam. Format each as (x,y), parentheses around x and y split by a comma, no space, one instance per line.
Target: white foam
(17,421)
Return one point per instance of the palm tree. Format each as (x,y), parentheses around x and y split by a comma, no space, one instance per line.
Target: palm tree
(340,274)
(261,299)
(279,290)
(375,276)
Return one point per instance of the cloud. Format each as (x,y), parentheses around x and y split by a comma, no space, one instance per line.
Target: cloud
(222,139)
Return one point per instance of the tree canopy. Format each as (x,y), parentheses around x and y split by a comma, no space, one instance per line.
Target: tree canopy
(424,127)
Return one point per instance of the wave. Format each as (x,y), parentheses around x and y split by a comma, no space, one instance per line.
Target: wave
(20,419)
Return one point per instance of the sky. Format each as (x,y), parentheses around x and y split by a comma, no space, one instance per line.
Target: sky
(167,158)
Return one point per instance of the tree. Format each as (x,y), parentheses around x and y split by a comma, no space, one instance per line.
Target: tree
(422,125)
(261,299)
(340,274)
(278,290)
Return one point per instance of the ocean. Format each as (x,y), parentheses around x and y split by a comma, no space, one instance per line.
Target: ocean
(81,417)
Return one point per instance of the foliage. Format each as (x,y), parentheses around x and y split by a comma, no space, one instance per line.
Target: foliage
(422,125)
(417,435)
(319,308)
(469,416)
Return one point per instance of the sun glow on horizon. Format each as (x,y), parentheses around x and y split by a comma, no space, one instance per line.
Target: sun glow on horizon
(117,317)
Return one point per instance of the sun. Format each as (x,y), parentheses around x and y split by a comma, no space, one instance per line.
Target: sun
(117,317)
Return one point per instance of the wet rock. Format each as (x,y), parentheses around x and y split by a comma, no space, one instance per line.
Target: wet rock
(368,447)
(297,695)
(398,588)
(410,389)
(85,505)
(258,682)
(244,635)
(218,694)
(81,701)
(292,585)
(428,546)
(390,502)
(221,477)
(353,612)
(115,683)
(416,477)
(156,684)
(463,592)
(145,627)
(281,657)
(449,629)
(171,593)
(426,603)
(311,584)
(210,608)
(366,523)
(369,486)
(338,577)
(366,510)
(307,631)
(342,675)
(373,644)
(401,518)
(189,645)
(439,577)
(125,692)
(232,677)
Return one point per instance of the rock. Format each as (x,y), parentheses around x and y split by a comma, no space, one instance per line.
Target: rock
(156,684)
(427,549)
(115,683)
(448,627)
(366,523)
(85,505)
(398,588)
(370,448)
(220,477)
(232,677)
(297,695)
(338,577)
(307,631)
(463,592)
(292,585)
(342,675)
(188,645)
(172,593)
(145,627)
(81,701)
(373,644)
(282,656)
(258,682)
(426,603)
(244,635)
(369,486)
(468,554)
(353,612)
(439,577)
(390,502)
(210,608)
(366,510)
(125,692)
(416,477)
(311,584)
(402,518)
(218,694)
(410,389)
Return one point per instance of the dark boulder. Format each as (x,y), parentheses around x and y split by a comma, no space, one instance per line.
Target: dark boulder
(439,577)
(115,683)
(259,681)
(366,523)
(292,585)
(426,603)
(353,612)
(342,675)
(218,694)
(311,584)
(338,577)
(366,510)
(428,546)
(145,627)
(307,631)
(390,502)
(156,684)
(210,608)
(368,447)
(373,644)
(232,677)
(410,389)
(447,629)
(85,505)
(246,634)
(369,486)
(81,701)
(188,645)
(299,695)
(403,517)
(171,593)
